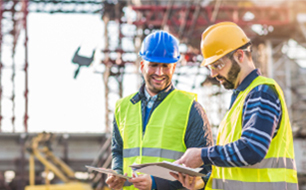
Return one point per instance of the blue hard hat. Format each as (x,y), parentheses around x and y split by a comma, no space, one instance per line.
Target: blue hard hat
(160,47)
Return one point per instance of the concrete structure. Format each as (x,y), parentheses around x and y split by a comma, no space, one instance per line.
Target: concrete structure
(75,149)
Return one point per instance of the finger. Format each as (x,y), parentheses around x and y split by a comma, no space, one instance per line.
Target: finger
(181,179)
(174,175)
(140,178)
(193,182)
(122,180)
(179,161)
(114,184)
(140,186)
(187,181)
(134,180)
(109,179)
(119,180)
(137,185)
(119,184)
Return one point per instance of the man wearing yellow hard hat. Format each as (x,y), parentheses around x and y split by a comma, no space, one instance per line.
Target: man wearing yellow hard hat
(254,148)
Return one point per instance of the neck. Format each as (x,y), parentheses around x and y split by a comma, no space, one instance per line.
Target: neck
(150,92)
(245,71)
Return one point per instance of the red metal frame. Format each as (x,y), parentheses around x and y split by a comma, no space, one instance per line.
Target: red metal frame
(152,16)
(19,24)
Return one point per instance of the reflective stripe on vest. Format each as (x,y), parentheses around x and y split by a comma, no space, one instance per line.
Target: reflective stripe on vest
(287,163)
(163,139)
(154,152)
(277,171)
(234,185)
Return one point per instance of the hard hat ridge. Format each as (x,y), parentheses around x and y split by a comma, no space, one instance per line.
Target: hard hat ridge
(160,47)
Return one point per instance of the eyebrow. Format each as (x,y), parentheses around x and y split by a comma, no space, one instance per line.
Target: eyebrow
(216,62)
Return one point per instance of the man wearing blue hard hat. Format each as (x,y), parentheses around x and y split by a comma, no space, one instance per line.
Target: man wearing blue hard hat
(159,122)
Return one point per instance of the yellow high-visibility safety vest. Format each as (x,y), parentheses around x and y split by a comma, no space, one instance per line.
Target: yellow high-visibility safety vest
(277,171)
(163,139)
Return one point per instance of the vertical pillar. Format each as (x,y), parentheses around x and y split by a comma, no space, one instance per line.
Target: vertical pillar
(1,65)
(106,75)
(288,87)
(15,34)
(32,169)
(269,59)
(25,14)
(21,183)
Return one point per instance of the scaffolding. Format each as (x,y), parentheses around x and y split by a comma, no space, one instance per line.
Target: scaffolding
(276,24)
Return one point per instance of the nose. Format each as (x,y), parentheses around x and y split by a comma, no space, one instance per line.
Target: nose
(213,73)
(159,70)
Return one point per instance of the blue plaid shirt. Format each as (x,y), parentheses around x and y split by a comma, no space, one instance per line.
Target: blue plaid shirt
(261,118)
(150,102)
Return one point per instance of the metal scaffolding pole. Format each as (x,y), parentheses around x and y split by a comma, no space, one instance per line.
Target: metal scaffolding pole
(1,65)
(25,14)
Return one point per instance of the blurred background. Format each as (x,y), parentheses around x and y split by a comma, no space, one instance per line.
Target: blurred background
(64,63)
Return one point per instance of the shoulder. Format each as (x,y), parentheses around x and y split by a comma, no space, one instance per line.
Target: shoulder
(185,94)
(263,97)
(197,107)
(132,98)
(264,90)
(197,113)
(125,101)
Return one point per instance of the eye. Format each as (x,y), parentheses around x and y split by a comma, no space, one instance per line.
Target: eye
(219,66)
(153,65)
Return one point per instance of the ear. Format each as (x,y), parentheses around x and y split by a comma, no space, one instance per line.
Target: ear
(141,65)
(174,66)
(239,56)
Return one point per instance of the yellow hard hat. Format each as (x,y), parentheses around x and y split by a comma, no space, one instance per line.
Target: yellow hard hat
(220,39)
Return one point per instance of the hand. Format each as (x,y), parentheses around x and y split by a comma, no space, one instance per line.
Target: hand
(142,182)
(189,182)
(115,182)
(191,158)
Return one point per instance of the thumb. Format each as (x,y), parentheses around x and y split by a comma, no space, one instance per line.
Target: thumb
(179,161)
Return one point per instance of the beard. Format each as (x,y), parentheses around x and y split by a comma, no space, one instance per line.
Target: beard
(229,83)
(156,88)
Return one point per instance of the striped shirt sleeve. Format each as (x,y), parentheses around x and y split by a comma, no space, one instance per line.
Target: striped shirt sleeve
(261,118)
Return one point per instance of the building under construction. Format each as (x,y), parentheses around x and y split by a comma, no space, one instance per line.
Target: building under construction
(277,29)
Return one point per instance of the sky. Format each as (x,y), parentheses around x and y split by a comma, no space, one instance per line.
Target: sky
(57,101)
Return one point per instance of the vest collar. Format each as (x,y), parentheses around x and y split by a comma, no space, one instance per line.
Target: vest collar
(244,84)
(247,81)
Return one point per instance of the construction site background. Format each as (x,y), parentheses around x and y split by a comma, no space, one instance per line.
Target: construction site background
(277,29)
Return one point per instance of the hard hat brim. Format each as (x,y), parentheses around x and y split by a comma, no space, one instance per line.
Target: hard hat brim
(160,59)
(210,60)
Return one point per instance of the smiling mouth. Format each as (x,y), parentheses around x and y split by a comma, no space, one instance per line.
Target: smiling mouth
(158,79)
